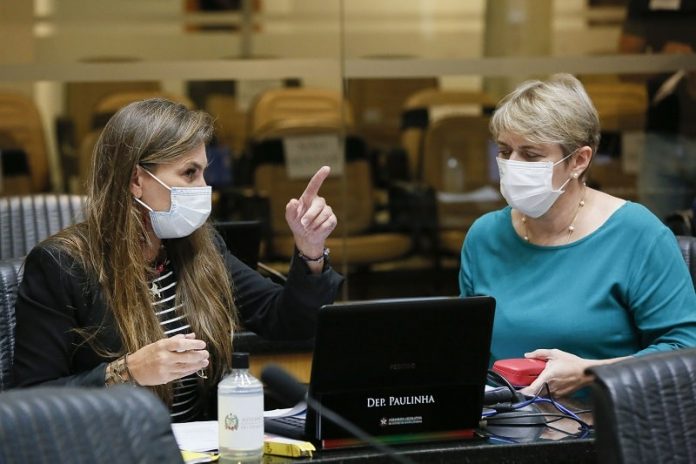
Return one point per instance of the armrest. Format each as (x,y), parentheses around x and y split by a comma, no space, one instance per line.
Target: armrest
(275,276)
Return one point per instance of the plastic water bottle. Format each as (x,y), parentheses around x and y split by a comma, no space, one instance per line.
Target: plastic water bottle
(240,412)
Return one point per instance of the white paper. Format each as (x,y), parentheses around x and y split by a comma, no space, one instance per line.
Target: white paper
(196,436)
(305,154)
(299,408)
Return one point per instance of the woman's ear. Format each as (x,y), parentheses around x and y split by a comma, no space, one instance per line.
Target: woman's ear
(136,183)
(582,160)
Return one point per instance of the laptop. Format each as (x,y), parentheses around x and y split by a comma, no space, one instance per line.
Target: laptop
(403,370)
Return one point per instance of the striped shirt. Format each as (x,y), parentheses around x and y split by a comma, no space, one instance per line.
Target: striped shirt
(185,404)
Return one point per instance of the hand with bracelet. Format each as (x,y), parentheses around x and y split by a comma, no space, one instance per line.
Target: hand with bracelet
(160,362)
(311,221)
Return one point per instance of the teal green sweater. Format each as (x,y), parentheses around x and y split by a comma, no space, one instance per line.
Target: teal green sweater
(622,290)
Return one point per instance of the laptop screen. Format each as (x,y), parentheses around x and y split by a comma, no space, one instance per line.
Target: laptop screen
(401,367)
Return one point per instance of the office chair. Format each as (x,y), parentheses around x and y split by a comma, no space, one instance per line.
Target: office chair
(288,110)
(27,220)
(687,245)
(10,276)
(122,424)
(378,103)
(645,409)
(422,109)
(103,110)
(20,119)
(282,113)
(456,163)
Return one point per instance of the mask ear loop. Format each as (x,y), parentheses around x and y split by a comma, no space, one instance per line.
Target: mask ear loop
(575,175)
(158,180)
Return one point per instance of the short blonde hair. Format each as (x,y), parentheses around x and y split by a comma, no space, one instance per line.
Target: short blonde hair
(554,111)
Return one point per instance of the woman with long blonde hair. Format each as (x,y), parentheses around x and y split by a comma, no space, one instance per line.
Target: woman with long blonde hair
(144,290)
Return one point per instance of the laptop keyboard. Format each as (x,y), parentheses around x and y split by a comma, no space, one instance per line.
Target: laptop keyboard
(288,426)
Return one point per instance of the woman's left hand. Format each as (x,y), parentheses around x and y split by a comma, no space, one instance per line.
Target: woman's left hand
(310,218)
(564,373)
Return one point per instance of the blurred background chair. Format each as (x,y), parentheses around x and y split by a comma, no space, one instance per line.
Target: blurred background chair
(10,276)
(445,136)
(278,116)
(377,104)
(621,108)
(27,220)
(645,409)
(21,124)
(687,244)
(122,424)
(102,111)
(427,106)
(288,111)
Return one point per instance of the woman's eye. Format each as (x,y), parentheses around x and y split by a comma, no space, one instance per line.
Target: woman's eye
(190,173)
(504,153)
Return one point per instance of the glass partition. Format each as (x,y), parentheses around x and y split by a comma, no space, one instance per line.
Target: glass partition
(397,93)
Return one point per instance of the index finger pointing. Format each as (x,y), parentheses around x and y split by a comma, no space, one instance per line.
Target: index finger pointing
(314,184)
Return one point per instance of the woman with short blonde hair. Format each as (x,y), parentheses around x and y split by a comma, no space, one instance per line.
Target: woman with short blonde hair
(580,277)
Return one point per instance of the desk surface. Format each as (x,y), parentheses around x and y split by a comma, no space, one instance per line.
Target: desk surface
(548,446)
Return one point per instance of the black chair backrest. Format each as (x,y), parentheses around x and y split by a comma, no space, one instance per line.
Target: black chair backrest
(27,220)
(645,409)
(243,239)
(123,424)
(10,277)
(687,245)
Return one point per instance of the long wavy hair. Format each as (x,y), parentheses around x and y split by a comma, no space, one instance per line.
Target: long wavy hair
(109,244)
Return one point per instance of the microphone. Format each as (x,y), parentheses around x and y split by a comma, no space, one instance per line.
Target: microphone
(288,388)
(283,384)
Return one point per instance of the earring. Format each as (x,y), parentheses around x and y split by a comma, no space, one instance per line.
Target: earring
(575,175)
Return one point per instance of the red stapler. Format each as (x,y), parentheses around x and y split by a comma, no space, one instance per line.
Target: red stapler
(520,372)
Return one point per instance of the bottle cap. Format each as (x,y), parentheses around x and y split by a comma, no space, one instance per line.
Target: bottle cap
(240,360)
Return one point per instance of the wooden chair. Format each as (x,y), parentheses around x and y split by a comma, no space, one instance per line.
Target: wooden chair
(20,120)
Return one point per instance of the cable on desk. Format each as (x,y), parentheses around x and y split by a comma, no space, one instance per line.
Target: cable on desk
(491,411)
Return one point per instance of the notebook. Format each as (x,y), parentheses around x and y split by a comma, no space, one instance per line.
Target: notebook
(403,370)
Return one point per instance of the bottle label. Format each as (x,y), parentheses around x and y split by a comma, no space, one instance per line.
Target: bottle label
(240,422)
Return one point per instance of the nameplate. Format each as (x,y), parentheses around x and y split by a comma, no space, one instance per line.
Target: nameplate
(410,410)
(305,154)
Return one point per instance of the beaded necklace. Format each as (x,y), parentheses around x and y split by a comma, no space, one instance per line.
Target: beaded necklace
(571,227)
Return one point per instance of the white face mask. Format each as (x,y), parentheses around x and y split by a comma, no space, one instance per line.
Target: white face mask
(190,208)
(527,186)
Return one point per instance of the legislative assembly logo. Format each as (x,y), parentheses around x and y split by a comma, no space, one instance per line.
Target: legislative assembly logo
(231,422)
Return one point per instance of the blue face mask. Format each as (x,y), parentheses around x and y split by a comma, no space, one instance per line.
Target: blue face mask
(190,208)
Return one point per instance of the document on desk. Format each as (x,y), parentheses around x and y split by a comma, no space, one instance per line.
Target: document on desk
(203,435)
(196,436)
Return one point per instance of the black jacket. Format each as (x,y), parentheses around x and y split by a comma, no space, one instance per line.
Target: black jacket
(56,297)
